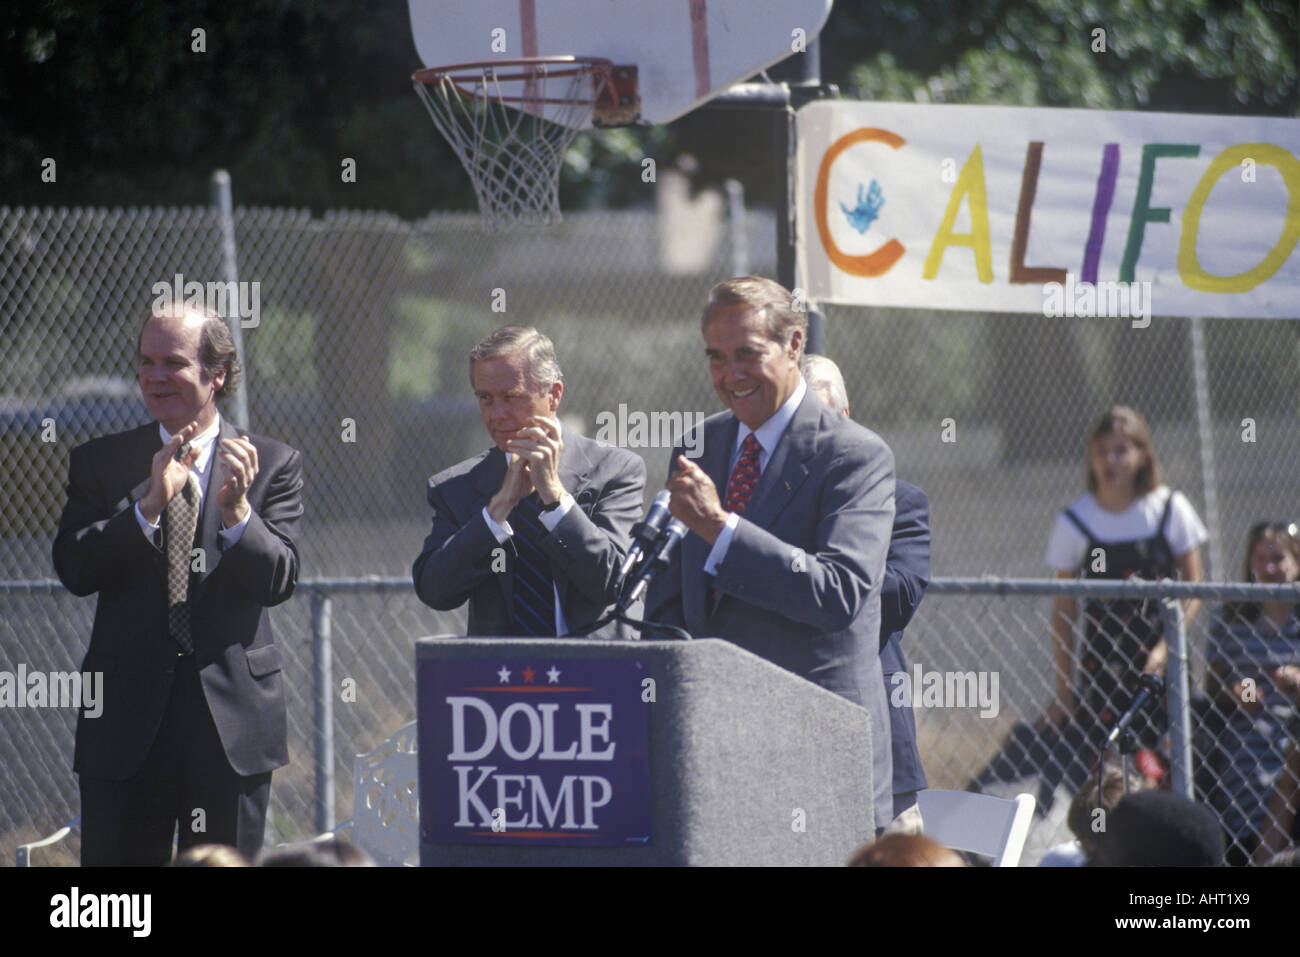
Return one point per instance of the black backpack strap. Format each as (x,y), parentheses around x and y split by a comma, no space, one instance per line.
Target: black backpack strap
(1069,513)
(1164,519)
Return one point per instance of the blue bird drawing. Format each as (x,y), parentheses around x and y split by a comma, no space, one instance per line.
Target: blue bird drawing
(868,207)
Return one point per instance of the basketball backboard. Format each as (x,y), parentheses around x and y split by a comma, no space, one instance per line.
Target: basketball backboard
(685,51)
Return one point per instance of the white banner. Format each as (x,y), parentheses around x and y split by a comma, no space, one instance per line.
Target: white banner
(1060,212)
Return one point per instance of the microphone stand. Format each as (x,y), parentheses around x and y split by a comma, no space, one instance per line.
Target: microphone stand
(654,557)
(1127,745)
(1149,694)
(652,627)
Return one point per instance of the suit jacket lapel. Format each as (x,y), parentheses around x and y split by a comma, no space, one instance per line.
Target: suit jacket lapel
(144,444)
(487,483)
(574,472)
(210,518)
(714,459)
(786,470)
(146,441)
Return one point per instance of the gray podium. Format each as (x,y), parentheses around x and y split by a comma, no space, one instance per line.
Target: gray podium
(748,763)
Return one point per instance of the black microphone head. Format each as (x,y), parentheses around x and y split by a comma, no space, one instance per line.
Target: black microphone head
(1153,684)
(675,532)
(656,518)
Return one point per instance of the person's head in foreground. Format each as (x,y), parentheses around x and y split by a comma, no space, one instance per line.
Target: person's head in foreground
(335,852)
(905,850)
(1159,829)
(211,855)
(1083,820)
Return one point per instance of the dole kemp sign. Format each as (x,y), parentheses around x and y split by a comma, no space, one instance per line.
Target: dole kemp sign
(533,751)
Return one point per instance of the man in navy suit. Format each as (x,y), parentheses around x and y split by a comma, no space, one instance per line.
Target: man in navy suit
(907,572)
(185,530)
(789,506)
(534,545)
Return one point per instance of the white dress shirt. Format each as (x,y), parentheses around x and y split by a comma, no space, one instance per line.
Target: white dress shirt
(768,435)
(205,442)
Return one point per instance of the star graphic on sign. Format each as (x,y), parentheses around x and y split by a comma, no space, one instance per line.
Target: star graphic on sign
(504,674)
(529,673)
(553,676)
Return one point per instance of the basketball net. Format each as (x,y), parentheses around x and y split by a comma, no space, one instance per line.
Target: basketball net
(510,123)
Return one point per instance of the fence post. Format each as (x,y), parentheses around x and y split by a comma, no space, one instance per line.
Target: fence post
(322,665)
(737,228)
(1177,690)
(224,205)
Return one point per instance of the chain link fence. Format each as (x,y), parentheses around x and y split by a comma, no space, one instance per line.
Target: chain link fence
(991,643)
(982,673)
(357,356)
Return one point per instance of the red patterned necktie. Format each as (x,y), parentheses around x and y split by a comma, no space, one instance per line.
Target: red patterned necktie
(744,477)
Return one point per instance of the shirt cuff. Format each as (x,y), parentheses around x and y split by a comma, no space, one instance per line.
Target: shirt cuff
(719,551)
(150,530)
(552,518)
(229,537)
(500,532)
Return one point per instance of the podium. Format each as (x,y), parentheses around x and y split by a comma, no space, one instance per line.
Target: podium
(582,752)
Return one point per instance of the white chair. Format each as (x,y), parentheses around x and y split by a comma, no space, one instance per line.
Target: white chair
(24,854)
(978,823)
(385,801)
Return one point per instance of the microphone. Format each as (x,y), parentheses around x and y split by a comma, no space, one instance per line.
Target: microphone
(647,532)
(641,580)
(1152,687)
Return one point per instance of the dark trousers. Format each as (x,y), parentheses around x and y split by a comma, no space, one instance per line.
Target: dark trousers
(185,781)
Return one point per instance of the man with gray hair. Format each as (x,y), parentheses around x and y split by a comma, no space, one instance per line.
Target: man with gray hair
(789,507)
(531,532)
(823,377)
(907,573)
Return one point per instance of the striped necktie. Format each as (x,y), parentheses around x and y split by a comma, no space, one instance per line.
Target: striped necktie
(180,519)
(533,594)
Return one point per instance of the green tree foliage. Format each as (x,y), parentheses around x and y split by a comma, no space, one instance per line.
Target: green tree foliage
(287,89)
(1195,56)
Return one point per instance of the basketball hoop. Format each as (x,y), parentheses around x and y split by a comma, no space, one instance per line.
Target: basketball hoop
(510,122)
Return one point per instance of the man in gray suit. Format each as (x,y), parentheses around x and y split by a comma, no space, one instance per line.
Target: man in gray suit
(531,532)
(790,508)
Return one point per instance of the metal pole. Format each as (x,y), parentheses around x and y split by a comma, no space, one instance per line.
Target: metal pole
(737,227)
(784,146)
(1205,437)
(223,204)
(322,663)
(1176,690)
(816,330)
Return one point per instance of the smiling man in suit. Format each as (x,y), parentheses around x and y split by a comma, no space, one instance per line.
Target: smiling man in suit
(531,532)
(185,530)
(790,507)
